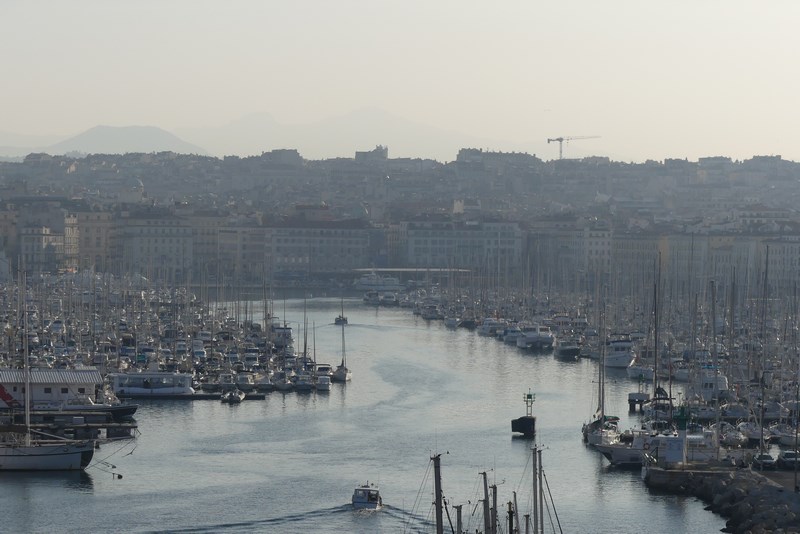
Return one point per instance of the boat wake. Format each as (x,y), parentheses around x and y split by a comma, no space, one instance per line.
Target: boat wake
(250,526)
(344,516)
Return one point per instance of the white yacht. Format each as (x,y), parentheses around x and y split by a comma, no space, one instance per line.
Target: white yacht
(375,282)
(536,337)
(490,326)
(619,351)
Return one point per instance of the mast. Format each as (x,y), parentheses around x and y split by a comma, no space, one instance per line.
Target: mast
(714,357)
(655,324)
(534,468)
(541,492)
(26,362)
(437,489)
(486,516)
(344,355)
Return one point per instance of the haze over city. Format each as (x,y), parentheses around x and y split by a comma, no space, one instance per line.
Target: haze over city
(653,81)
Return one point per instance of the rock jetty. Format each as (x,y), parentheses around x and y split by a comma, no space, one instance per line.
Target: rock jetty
(752,503)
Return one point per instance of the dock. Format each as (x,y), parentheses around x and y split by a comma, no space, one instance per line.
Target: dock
(192,397)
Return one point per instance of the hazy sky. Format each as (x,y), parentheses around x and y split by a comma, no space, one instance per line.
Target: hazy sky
(653,79)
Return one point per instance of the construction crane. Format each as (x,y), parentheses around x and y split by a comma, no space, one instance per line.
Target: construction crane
(561,140)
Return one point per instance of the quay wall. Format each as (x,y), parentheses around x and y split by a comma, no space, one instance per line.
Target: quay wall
(751,503)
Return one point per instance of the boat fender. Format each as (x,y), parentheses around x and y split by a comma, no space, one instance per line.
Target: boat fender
(646,446)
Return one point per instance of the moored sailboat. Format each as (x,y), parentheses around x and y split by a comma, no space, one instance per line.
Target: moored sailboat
(20,450)
(342,373)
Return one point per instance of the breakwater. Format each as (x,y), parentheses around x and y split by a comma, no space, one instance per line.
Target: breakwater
(751,502)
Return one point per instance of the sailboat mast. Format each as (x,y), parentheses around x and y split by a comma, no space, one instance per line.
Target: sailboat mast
(655,323)
(344,357)
(26,362)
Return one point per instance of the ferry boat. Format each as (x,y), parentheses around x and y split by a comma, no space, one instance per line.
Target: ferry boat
(376,282)
(367,497)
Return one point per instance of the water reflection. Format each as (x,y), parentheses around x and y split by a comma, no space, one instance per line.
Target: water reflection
(80,481)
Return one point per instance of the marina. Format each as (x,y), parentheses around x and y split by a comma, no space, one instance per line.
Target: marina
(417,388)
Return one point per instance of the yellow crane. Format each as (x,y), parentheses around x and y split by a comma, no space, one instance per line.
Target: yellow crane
(560,141)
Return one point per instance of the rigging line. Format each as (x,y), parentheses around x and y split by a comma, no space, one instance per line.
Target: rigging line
(549,493)
(115,452)
(418,497)
(524,472)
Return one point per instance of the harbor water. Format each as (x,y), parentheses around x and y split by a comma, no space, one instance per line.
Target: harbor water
(290,463)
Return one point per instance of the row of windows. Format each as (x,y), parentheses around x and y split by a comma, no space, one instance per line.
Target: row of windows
(318,232)
(49,390)
(164,231)
(330,242)
(469,242)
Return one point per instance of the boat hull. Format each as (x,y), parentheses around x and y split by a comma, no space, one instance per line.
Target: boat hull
(50,457)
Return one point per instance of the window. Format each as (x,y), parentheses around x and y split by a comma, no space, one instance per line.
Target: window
(48,390)
(81,390)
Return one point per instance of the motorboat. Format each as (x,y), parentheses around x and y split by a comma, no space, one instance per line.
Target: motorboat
(451,322)
(490,326)
(619,351)
(389,299)
(567,347)
(322,383)
(622,454)
(234,396)
(536,337)
(303,382)
(367,497)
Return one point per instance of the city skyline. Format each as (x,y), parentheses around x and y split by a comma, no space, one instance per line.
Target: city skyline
(652,82)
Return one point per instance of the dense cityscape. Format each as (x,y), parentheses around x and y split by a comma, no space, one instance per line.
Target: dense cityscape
(511,217)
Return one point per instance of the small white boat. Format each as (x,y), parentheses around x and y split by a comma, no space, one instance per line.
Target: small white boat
(367,497)
(234,396)
(322,383)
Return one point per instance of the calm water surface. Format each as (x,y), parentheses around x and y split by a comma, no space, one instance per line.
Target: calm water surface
(289,463)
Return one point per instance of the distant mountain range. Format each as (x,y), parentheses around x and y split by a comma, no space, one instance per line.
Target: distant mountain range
(102,140)
(253,134)
(339,136)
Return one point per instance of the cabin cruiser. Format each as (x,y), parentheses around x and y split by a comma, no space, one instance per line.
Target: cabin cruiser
(536,337)
(567,347)
(490,326)
(631,454)
(619,351)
